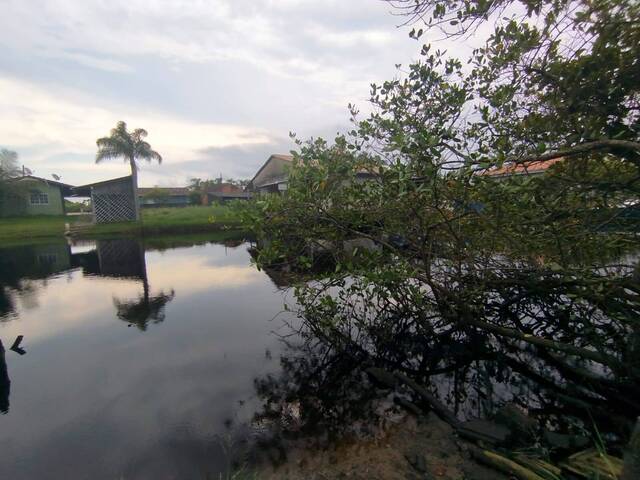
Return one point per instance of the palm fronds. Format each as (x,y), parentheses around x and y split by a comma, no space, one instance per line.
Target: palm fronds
(131,146)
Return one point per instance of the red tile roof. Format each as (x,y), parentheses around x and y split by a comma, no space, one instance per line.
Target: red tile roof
(527,168)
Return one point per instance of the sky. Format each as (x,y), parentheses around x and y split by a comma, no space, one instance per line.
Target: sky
(218,84)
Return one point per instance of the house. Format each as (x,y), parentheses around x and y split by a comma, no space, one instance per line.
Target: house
(112,200)
(273,176)
(518,169)
(222,192)
(164,197)
(30,195)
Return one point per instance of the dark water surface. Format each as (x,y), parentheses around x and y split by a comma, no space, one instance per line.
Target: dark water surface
(136,362)
(173,360)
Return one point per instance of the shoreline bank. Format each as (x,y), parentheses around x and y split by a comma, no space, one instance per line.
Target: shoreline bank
(161,222)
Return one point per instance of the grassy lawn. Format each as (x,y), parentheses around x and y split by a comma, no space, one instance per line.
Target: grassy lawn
(18,229)
(173,220)
(154,221)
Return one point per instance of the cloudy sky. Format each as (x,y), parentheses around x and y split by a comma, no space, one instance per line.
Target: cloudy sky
(219,84)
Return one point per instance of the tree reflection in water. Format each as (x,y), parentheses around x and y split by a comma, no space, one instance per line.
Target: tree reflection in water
(471,370)
(146,309)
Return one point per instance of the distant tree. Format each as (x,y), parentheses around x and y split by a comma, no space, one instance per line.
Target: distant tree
(199,184)
(8,164)
(237,182)
(130,146)
(195,198)
(194,184)
(157,194)
(77,207)
(8,169)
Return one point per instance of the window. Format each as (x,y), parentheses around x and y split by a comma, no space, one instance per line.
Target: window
(39,198)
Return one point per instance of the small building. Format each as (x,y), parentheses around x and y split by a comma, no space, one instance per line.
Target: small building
(157,197)
(273,176)
(222,192)
(29,195)
(112,200)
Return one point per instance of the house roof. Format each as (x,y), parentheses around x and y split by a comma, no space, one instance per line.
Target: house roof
(363,171)
(65,188)
(171,191)
(527,168)
(275,156)
(45,180)
(281,156)
(222,188)
(85,190)
(104,182)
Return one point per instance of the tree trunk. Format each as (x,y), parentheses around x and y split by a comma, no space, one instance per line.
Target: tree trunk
(134,182)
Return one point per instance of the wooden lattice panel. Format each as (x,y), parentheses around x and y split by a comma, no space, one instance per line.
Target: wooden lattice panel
(113,207)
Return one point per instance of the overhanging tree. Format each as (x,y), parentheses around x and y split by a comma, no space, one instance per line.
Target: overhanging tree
(531,265)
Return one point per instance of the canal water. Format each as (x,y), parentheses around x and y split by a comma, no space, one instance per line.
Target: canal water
(176,359)
(136,361)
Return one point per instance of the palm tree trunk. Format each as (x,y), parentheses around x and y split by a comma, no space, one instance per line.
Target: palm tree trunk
(134,181)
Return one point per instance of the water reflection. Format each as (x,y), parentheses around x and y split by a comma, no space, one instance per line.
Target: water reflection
(471,371)
(115,258)
(5,382)
(125,258)
(93,400)
(328,382)
(145,309)
(119,258)
(19,266)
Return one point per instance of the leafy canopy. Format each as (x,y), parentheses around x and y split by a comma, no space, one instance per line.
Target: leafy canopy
(433,245)
(8,164)
(130,146)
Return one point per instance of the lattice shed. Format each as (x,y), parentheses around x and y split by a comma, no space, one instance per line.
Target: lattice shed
(112,200)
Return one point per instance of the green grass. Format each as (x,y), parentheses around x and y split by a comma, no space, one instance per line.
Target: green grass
(194,219)
(173,220)
(17,229)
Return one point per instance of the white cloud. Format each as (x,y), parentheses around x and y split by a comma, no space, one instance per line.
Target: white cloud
(194,73)
(374,38)
(105,64)
(70,124)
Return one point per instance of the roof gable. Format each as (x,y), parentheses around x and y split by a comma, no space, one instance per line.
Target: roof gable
(43,180)
(273,170)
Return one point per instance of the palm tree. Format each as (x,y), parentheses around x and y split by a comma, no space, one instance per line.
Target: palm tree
(130,146)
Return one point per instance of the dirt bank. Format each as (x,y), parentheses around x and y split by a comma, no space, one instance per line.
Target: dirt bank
(408,450)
